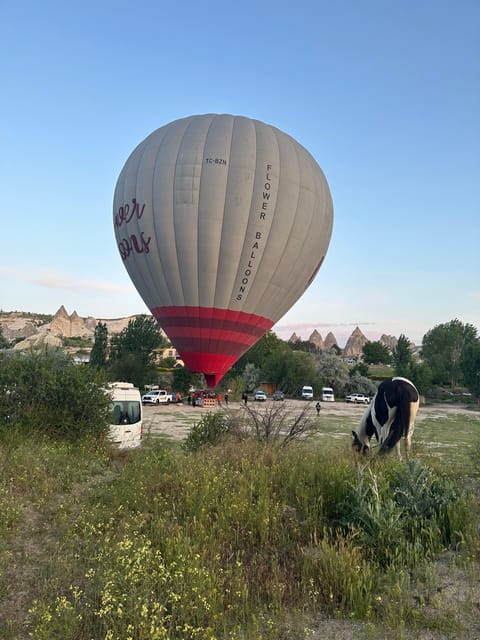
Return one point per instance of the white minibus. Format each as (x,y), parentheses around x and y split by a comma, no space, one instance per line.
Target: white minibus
(327,394)
(126,419)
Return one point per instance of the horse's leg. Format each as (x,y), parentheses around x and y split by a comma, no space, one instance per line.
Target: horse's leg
(411,427)
(408,443)
(398,450)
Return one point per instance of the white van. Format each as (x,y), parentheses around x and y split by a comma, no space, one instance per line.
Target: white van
(327,394)
(126,427)
(307,393)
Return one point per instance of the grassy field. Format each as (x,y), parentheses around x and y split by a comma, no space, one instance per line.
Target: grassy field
(242,541)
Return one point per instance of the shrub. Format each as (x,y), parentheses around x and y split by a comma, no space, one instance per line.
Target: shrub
(46,392)
(208,431)
(275,424)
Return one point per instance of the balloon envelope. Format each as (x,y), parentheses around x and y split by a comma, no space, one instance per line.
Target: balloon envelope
(222,222)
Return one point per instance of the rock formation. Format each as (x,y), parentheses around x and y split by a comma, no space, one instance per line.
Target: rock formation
(355,343)
(294,338)
(316,339)
(389,341)
(330,341)
(39,339)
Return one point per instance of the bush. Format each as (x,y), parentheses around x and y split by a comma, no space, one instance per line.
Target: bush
(46,392)
(211,428)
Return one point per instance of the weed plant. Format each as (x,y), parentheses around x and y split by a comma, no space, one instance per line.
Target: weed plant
(234,541)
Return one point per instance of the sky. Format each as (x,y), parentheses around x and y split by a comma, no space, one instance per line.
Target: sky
(385,95)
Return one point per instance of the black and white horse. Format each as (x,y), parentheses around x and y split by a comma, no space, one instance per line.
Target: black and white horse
(390,415)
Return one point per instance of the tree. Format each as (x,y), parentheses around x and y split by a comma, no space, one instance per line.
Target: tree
(421,376)
(167,363)
(470,364)
(402,357)
(98,354)
(332,371)
(376,353)
(290,370)
(361,384)
(133,351)
(304,345)
(44,391)
(4,344)
(251,376)
(183,379)
(257,354)
(443,347)
(360,369)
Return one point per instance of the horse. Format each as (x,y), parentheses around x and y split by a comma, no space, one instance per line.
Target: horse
(390,415)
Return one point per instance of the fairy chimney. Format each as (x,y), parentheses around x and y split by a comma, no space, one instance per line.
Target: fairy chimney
(355,343)
(317,340)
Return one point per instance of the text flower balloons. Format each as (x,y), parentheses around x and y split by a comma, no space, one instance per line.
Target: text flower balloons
(222,222)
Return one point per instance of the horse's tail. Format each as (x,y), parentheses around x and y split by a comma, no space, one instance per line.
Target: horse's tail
(398,428)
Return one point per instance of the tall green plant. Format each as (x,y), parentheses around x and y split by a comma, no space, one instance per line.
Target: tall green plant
(44,391)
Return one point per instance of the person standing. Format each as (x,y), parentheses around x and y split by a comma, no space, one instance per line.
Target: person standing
(318,407)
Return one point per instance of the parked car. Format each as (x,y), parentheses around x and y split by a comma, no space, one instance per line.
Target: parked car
(157,396)
(278,395)
(260,396)
(357,398)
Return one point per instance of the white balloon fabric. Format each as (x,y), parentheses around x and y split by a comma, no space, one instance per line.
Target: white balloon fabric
(222,222)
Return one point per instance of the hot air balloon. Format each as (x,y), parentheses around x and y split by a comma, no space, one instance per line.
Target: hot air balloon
(222,222)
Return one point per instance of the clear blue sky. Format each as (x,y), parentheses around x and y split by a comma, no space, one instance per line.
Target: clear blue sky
(385,95)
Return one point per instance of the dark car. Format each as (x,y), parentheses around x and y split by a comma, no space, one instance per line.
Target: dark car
(278,395)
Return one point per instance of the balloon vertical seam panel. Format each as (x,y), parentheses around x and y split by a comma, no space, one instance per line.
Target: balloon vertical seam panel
(261,202)
(238,196)
(187,195)
(276,235)
(163,206)
(313,228)
(212,207)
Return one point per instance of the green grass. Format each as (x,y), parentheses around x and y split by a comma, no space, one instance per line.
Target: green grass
(239,541)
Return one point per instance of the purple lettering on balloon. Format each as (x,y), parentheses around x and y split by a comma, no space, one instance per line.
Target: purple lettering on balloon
(126,212)
(134,244)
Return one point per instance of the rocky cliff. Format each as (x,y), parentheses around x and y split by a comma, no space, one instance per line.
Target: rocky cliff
(29,328)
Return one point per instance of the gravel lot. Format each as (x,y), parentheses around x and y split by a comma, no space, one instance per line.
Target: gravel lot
(175,420)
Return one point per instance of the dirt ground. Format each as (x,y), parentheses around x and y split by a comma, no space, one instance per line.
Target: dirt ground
(175,420)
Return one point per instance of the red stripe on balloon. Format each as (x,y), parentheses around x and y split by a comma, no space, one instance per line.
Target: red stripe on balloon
(200,316)
(210,340)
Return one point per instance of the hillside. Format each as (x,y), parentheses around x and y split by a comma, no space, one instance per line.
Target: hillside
(28,329)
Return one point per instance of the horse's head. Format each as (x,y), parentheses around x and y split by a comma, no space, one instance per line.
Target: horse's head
(358,445)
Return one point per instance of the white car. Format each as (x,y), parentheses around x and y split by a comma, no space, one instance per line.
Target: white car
(157,396)
(260,396)
(357,398)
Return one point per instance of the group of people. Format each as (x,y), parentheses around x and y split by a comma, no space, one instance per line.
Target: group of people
(197,398)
